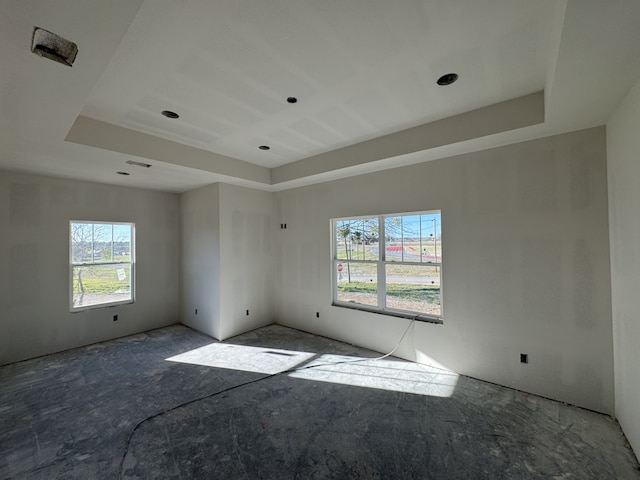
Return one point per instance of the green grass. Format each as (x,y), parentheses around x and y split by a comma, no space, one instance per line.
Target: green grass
(100,280)
(415,292)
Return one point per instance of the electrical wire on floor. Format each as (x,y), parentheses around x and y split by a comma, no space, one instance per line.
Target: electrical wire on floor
(250,382)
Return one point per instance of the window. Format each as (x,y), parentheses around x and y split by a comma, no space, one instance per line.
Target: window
(389,264)
(102,264)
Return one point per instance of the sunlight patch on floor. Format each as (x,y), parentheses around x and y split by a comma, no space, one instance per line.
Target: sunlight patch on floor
(385,374)
(242,357)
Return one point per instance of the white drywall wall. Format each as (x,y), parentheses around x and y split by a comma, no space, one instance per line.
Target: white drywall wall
(246,259)
(200,286)
(623,163)
(34,263)
(227,259)
(526,264)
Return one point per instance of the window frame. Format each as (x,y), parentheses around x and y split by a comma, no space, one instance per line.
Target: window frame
(381,264)
(131,263)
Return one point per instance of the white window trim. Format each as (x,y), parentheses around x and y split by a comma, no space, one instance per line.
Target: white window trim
(381,272)
(131,263)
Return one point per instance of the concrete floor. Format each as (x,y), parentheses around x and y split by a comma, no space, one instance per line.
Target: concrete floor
(173,403)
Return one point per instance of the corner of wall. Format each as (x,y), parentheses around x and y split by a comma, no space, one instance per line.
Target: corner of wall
(623,168)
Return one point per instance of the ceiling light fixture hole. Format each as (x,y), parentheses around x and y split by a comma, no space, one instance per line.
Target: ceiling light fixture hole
(292,100)
(447,79)
(264,147)
(170,114)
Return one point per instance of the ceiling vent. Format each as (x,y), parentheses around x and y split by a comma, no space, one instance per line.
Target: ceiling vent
(138,164)
(53,47)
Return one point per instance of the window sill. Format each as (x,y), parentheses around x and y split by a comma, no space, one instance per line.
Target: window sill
(101,305)
(391,313)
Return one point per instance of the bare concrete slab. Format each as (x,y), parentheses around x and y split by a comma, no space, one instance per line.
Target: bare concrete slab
(277,403)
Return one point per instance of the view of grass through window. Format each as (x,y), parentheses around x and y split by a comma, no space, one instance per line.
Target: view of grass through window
(389,263)
(101,263)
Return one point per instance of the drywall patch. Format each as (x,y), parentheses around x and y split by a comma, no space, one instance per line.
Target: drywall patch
(100,197)
(582,284)
(266,234)
(494,200)
(487,299)
(172,272)
(255,233)
(580,183)
(171,217)
(538,182)
(542,279)
(24,275)
(59,195)
(24,205)
(590,376)
(238,233)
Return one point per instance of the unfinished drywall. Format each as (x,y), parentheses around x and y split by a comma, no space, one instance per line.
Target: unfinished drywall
(526,264)
(227,259)
(200,267)
(623,162)
(34,263)
(246,259)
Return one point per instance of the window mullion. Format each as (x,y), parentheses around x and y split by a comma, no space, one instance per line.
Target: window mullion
(420,237)
(382,274)
(402,238)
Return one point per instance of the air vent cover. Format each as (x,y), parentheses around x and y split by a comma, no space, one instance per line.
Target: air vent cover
(138,164)
(53,47)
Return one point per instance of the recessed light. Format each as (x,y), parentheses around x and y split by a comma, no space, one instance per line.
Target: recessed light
(292,100)
(447,79)
(123,173)
(264,147)
(170,114)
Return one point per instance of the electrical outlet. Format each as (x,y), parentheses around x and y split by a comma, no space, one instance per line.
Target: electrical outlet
(247,312)
(524,358)
(196,311)
(317,314)
(115,318)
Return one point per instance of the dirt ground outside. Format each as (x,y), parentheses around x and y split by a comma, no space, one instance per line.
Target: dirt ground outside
(399,303)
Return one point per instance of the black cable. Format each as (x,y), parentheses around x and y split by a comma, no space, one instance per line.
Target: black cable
(256,380)
(181,405)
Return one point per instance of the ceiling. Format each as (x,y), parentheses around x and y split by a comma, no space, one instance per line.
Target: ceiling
(363,71)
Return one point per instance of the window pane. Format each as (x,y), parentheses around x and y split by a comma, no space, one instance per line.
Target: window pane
(357,282)
(413,238)
(122,243)
(414,288)
(98,284)
(81,242)
(430,238)
(102,242)
(393,237)
(357,239)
